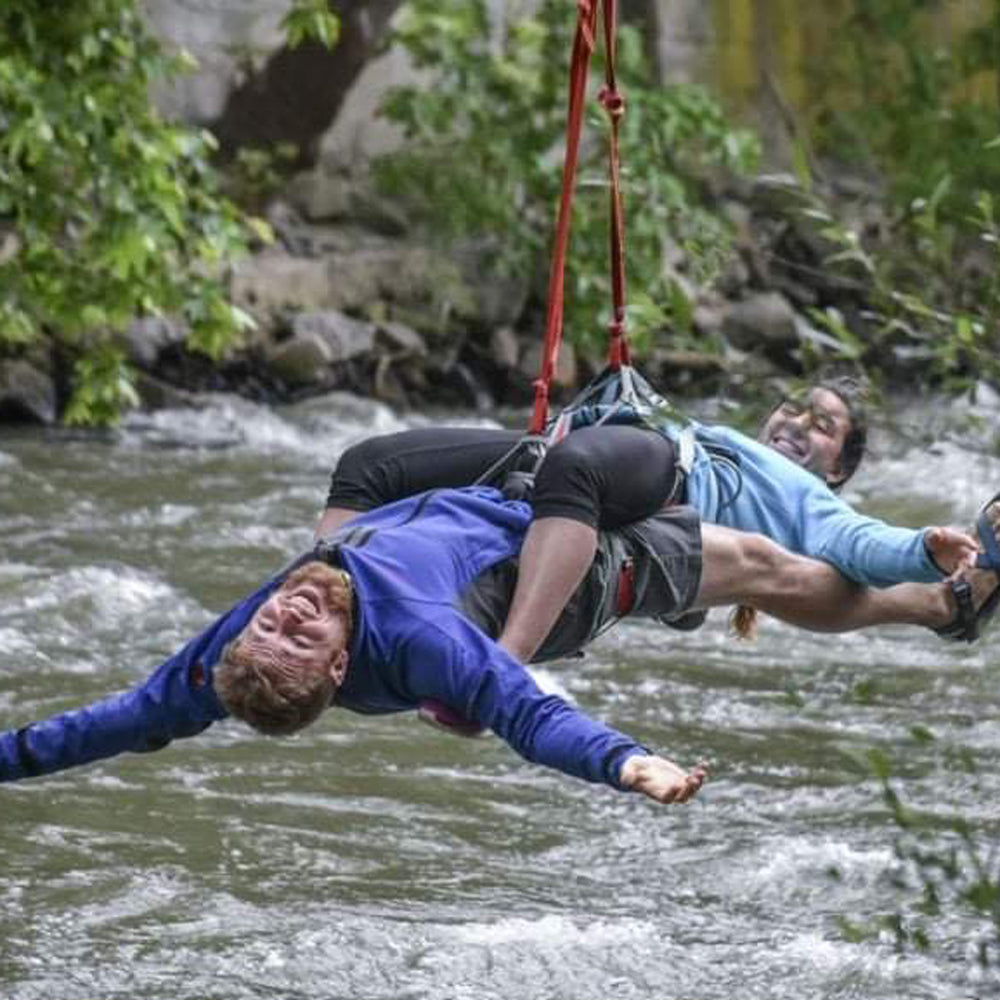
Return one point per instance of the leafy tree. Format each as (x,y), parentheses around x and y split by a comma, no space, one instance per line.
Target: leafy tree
(108,211)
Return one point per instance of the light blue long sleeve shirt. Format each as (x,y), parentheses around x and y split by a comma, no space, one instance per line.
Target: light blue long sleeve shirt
(767,493)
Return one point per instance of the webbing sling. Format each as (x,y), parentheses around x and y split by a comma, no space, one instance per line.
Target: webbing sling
(611,99)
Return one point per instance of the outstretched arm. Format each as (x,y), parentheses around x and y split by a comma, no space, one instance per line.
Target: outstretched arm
(174,702)
(741,568)
(661,779)
(451,661)
(177,700)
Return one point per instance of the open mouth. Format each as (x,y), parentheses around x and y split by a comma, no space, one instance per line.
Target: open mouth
(306,600)
(788,447)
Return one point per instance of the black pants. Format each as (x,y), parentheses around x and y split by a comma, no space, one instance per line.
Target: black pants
(605,477)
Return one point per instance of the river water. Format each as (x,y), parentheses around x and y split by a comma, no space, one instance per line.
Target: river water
(376,858)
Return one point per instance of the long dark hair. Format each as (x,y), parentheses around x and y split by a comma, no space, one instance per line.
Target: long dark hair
(853,392)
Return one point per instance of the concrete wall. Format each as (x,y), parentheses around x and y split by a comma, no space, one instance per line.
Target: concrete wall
(224,36)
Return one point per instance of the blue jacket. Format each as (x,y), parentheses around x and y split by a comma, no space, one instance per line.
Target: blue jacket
(409,562)
(767,493)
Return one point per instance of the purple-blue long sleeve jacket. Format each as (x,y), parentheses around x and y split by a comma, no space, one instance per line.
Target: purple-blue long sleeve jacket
(409,562)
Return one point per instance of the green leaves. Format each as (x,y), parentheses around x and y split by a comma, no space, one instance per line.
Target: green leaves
(117,211)
(484,159)
(895,102)
(311,20)
(104,388)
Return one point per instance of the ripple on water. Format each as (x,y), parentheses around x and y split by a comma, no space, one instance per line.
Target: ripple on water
(377,858)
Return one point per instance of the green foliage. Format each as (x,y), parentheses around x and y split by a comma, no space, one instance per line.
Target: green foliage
(923,116)
(900,99)
(256,174)
(311,20)
(484,147)
(929,305)
(104,388)
(113,212)
(945,872)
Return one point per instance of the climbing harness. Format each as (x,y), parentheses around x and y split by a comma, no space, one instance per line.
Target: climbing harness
(619,393)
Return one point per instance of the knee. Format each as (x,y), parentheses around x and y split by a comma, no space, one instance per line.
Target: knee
(567,485)
(358,479)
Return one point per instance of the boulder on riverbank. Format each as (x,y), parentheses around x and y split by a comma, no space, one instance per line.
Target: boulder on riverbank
(342,302)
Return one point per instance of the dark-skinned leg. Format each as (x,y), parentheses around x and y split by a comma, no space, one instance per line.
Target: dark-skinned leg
(740,568)
(596,477)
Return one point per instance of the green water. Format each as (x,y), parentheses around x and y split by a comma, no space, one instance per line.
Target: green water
(377,858)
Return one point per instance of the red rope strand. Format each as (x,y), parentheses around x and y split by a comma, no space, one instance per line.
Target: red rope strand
(583,47)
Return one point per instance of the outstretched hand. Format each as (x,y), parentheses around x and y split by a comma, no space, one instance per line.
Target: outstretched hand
(951,550)
(661,779)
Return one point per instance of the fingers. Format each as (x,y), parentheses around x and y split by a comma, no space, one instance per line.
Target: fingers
(692,783)
(952,550)
(663,781)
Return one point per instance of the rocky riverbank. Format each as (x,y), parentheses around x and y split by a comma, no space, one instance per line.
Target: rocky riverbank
(348,297)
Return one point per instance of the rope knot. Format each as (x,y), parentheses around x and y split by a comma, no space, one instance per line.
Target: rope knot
(612,100)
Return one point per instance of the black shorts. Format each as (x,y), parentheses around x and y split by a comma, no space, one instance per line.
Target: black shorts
(651,569)
(605,477)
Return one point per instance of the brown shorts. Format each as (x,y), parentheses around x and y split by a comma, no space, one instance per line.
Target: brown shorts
(651,569)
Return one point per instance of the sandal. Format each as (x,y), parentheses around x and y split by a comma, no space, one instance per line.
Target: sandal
(970,621)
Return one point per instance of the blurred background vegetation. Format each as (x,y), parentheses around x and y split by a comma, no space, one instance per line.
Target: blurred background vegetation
(109,211)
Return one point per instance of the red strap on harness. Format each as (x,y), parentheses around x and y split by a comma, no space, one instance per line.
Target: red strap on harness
(583,47)
(626,588)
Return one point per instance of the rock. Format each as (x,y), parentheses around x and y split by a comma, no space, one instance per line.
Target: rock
(708,317)
(274,283)
(146,336)
(763,322)
(696,362)
(156,394)
(416,284)
(304,359)
(820,340)
(402,340)
(374,277)
(498,297)
(504,347)
(27,394)
(341,337)
(778,194)
(386,385)
(328,195)
(320,195)
(566,364)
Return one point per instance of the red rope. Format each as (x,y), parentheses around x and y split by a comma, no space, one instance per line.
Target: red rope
(583,47)
(614,104)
